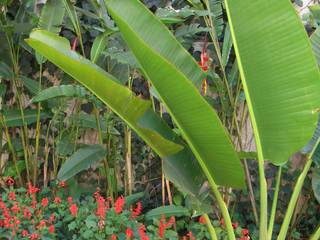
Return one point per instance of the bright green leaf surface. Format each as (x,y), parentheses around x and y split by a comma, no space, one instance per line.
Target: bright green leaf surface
(165,64)
(186,174)
(279,74)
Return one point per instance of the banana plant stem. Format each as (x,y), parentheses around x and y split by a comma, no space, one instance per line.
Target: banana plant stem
(223,208)
(316,235)
(274,204)
(263,198)
(293,200)
(38,125)
(211,230)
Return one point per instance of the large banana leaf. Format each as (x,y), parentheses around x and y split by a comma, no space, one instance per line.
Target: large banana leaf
(159,38)
(180,167)
(164,62)
(279,74)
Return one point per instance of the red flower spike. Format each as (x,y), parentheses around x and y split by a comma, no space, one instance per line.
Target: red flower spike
(142,233)
(245,232)
(129,233)
(118,205)
(137,211)
(114,237)
(51,229)
(73,210)
(12,196)
(44,202)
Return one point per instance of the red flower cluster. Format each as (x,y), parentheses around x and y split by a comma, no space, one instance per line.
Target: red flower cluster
(15,214)
(119,203)
(137,211)
(163,225)
(142,232)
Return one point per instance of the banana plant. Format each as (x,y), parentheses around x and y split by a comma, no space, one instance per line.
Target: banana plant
(180,165)
(280,77)
(281,81)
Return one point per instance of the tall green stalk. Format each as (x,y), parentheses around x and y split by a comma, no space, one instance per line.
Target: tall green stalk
(38,124)
(316,235)
(211,230)
(274,204)
(294,197)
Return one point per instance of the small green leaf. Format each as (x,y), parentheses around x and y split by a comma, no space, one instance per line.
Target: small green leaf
(168,211)
(82,159)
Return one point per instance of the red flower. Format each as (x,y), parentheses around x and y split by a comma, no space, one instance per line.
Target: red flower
(42,224)
(142,233)
(163,225)
(26,213)
(69,199)
(202,220)
(10,181)
(118,205)
(129,233)
(62,184)
(245,232)
(74,210)
(101,208)
(114,237)
(137,211)
(32,189)
(222,222)
(44,202)
(234,225)
(57,200)
(190,235)
(51,229)
(52,218)
(15,208)
(24,233)
(12,196)
(34,236)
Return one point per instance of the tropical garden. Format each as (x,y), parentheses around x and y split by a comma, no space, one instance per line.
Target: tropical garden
(159,119)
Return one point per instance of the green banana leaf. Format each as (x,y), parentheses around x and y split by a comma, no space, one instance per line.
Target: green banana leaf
(52,15)
(60,91)
(315,43)
(280,75)
(82,159)
(12,117)
(180,167)
(164,63)
(51,19)
(158,38)
(168,211)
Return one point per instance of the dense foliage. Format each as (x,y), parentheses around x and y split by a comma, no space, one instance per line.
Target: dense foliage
(195,110)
